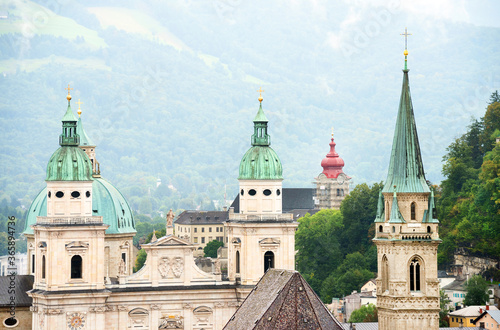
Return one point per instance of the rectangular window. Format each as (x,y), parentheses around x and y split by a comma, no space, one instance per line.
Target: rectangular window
(217,229)
(196,239)
(33,263)
(202,229)
(221,229)
(195,229)
(209,229)
(124,257)
(202,240)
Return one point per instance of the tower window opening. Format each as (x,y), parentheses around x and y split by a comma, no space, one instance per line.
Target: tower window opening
(252,192)
(237,262)
(413,207)
(267,192)
(415,275)
(33,263)
(380,229)
(429,229)
(278,192)
(59,194)
(338,192)
(268,260)
(387,211)
(87,194)
(393,229)
(49,194)
(43,266)
(242,192)
(75,194)
(76,266)
(385,274)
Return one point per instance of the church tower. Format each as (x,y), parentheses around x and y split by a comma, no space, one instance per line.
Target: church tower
(406,232)
(69,240)
(332,185)
(260,236)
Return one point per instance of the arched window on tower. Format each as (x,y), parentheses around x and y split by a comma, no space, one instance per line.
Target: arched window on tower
(237,262)
(413,211)
(387,211)
(76,267)
(415,274)
(268,260)
(385,274)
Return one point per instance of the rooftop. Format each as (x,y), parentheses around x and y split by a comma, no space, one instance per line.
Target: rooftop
(202,217)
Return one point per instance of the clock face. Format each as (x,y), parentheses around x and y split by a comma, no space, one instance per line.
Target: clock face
(76,321)
(341,178)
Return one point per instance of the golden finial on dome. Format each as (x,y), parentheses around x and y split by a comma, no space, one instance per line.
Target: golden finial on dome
(332,132)
(68,97)
(79,110)
(260,90)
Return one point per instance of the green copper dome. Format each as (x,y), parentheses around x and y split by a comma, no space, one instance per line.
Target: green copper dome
(107,202)
(69,164)
(260,162)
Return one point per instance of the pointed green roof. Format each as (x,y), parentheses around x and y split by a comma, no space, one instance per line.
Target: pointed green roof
(84,139)
(380,208)
(406,170)
(396,216)
(260,117)
(69,115)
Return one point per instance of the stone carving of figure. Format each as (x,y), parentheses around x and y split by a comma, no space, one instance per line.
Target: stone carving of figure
(217,266)
(121,267)
(170,218)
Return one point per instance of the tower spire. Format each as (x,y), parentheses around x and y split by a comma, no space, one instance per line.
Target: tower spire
(406,169)
(260,136)
(69,136)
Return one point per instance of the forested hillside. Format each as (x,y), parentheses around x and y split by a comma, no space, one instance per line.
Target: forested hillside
(169,90)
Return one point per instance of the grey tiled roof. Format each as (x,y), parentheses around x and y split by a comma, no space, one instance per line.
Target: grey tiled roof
(202,217)
(292,199)
(282,300)
(23,283)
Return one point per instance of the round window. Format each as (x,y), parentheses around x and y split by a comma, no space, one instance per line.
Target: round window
(278,192)
(252,192)
(59,194)
(11,322)
(75,194)
(87,194)
(49,194)
(267,192)
(242,192)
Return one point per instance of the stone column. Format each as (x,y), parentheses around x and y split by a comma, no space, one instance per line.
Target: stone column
(122,317)
(155,316)
(188,316)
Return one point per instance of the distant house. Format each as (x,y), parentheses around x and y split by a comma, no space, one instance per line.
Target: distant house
(489,319)
(456,292)
(370,286)
(466,316)
(355,300)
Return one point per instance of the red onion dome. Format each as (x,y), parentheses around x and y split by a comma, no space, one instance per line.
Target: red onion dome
(332,164)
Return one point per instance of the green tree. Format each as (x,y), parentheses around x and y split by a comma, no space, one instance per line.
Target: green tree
(366,313)
(477,291)
(358,212)
(211,248)
(444,300)
(317,243)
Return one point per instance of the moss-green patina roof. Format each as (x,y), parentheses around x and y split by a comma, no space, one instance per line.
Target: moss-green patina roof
(406,170)
(260,117)
(69,163)
(107,202)
(84,139)
(69,115)
(260,163)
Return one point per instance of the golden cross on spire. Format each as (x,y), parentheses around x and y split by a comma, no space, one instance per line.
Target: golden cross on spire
(79,110)
(260,90)
(406,34)
(69,96)
(332,132)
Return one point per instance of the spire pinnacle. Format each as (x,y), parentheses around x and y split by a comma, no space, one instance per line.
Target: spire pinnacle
(406,34)
(69,95)
(332,132)
(79,109)
(260,90)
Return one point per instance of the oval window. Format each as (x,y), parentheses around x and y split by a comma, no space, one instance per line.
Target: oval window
(49,194)
(10,322)
(267,192)
(242,192)
(75,194)
(278,192)
(59,194)
(87,194)
(252,192)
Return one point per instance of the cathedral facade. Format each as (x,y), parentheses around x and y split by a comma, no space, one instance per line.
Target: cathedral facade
(80,231)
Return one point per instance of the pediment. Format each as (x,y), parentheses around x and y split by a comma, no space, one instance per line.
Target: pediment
(270,240)
(77,245)
(171,240)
